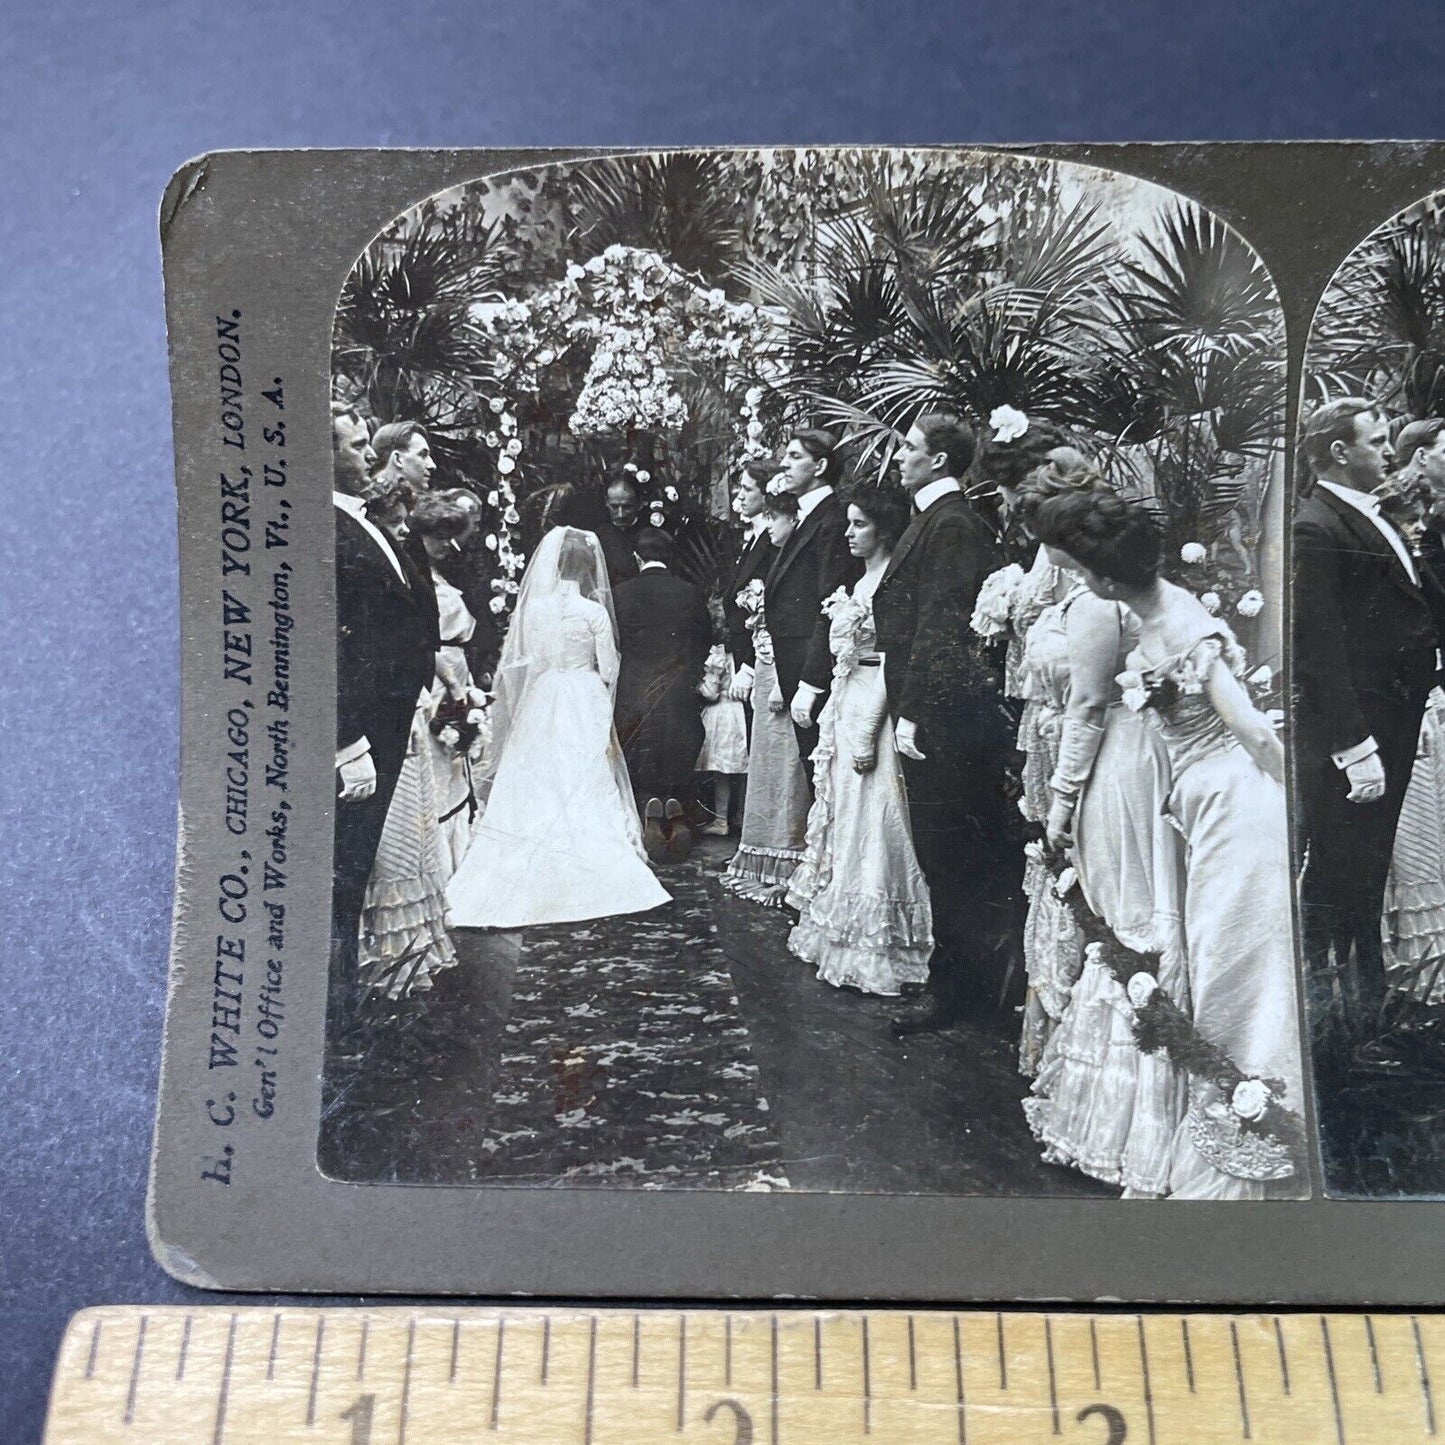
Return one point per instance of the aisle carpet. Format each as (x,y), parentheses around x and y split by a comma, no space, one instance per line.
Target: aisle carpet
(625,1060)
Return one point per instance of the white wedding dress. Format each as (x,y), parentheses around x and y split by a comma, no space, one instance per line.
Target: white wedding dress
(560,839)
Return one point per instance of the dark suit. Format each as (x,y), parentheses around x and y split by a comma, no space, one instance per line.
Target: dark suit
(1363,665)
(617,550)
(938,677)
(664,634)
(753,564)
(386,641)
(811,565)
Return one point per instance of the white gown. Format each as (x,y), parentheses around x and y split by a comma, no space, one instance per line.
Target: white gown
(560,840)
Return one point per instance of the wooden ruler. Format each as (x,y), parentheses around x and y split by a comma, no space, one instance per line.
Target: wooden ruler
(403,1376)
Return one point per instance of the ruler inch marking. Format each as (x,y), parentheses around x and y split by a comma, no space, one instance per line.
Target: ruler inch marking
(637,1347)
(1283,1358)
(958,1380)
(591,1378)
(94,1348)
(912,1358)
(1094,1351)
(773,1402)
(1188,1356)
(681,1369)
(1053,1378)
(185,1347)
(1239,1382)
(224,1398)
(361,1347)
(406,1382)
(315,1369)
(817,1352)
(1002,1360)
(275,1341)
(1374,1356)
(867,1384)
(497,1375)
(1424,1376)
(1333,1379)
(546,1344)
(1144,1374)
(727,1353)
(456,1347)
(130,1394)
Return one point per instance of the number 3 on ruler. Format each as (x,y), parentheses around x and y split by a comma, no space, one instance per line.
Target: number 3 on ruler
(1118,1430)
(360,1416)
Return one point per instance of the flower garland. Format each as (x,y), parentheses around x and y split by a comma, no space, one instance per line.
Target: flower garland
(1161,1025)
(643,318)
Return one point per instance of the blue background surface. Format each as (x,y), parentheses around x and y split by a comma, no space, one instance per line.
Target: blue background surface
(98,106)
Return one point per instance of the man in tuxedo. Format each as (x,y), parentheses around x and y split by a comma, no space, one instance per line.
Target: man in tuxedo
(811,565)
(619,533)
(386,641)
(950,725)
(752,565)
(664,634)
(1364,661)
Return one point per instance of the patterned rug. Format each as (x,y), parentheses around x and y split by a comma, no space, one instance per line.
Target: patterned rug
(625,1060)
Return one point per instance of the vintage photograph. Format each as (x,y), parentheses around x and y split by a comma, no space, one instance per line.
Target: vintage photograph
(1369,720)
(808,683)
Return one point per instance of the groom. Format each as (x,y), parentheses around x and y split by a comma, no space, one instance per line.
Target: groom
(950,725)
(1364,662)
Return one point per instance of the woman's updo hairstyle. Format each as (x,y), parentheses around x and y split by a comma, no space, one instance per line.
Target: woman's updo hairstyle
(822,446)
(885,504)
(1113,538)
(442,516)
(780,504)
(1064,471)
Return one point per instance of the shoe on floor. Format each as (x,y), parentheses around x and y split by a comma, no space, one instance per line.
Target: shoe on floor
(654,840)
(679,835)
(718,828)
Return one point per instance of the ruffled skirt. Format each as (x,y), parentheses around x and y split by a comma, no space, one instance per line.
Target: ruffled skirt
(865,919)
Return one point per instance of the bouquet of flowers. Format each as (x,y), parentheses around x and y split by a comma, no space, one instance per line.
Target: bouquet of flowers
(750,600)
(994,606)
(459,724)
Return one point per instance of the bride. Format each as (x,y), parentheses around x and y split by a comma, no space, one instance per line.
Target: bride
(560,839)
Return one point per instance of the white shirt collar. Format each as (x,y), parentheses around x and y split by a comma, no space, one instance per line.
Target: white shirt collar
(927,495)
(1369,504)
(757,526)
(809,501)
(650,566)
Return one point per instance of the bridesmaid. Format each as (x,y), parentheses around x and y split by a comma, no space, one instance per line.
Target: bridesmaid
(775,814)
(1227,798)
(1099,1104)
(864,915)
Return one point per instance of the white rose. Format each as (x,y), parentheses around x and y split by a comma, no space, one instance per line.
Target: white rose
(644,477)
(509,424)
(1094,953)
(490,541)
(506,465)
(754,396)
(658,519)
(1193,553)
(755,429)
(1008,423)
(1141,988)
(497,405)
(546,356)
(514,447)
(574,271)
(1210,602)
(498,604)
(670,493)
(511,516)
(1250,1099)
(494,499)
(493,440)
(1251,604)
